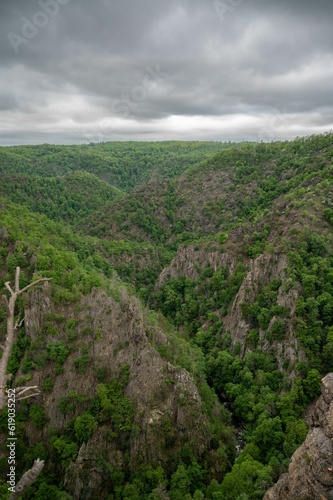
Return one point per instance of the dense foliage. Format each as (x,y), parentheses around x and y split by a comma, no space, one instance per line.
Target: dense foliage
(89,216)
(122,164)
(69,197)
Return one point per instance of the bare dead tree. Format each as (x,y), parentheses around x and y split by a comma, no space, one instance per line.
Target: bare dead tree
(27,479)
(31,475)
(12,327)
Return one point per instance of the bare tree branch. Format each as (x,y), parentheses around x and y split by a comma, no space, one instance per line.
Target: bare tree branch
(27,479)
(7,285)
(37,282)
(11,330)
(19,323)
(19,391)
(28,396)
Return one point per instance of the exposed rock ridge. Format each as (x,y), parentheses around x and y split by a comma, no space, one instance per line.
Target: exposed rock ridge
(310,474)
(117,333)
(190,259)
(261,271)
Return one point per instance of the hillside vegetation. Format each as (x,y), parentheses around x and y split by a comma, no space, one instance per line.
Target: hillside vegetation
(189,320)
(122,164)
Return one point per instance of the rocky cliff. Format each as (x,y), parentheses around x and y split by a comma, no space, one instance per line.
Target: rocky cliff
(310,474)
(261,271)
(190,262)
(107,334)
(191,259)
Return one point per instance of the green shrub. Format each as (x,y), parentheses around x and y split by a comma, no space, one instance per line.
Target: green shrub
(57,352)
(84,427)
(37,416)
(67,450)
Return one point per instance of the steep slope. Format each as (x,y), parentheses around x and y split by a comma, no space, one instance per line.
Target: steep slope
(237,254)
(199,264)
(124,401)
(234,187)
(160,412)
(122,164)
(310,473)
(70,197)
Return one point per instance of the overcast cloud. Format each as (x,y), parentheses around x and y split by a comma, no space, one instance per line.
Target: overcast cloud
(75,71)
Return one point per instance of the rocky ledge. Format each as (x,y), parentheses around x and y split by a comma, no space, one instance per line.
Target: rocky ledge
(310,473)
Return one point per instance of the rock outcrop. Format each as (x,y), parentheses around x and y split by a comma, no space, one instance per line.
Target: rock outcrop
(192,259)
(261,271)
(113,333)
(310,474)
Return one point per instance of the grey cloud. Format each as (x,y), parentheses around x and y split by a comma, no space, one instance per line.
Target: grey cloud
(90,61)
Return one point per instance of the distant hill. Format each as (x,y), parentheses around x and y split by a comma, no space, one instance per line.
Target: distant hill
(235,187)
(122,164)
(69,197)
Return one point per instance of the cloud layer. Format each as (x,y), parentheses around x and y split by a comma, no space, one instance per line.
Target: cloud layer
(79,71)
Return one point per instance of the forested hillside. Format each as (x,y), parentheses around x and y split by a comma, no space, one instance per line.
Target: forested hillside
(122,164)
(189,320)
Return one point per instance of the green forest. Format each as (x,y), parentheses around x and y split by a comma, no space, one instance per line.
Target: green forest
(188,322)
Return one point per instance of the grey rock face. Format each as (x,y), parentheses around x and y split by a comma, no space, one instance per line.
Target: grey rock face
(310,474)
(191,259)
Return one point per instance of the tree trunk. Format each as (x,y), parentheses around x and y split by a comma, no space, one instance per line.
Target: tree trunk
(11,329)
(31,475)
(27,479)
(7,350)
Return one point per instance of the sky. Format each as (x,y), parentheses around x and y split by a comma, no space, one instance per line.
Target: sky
(80,71)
